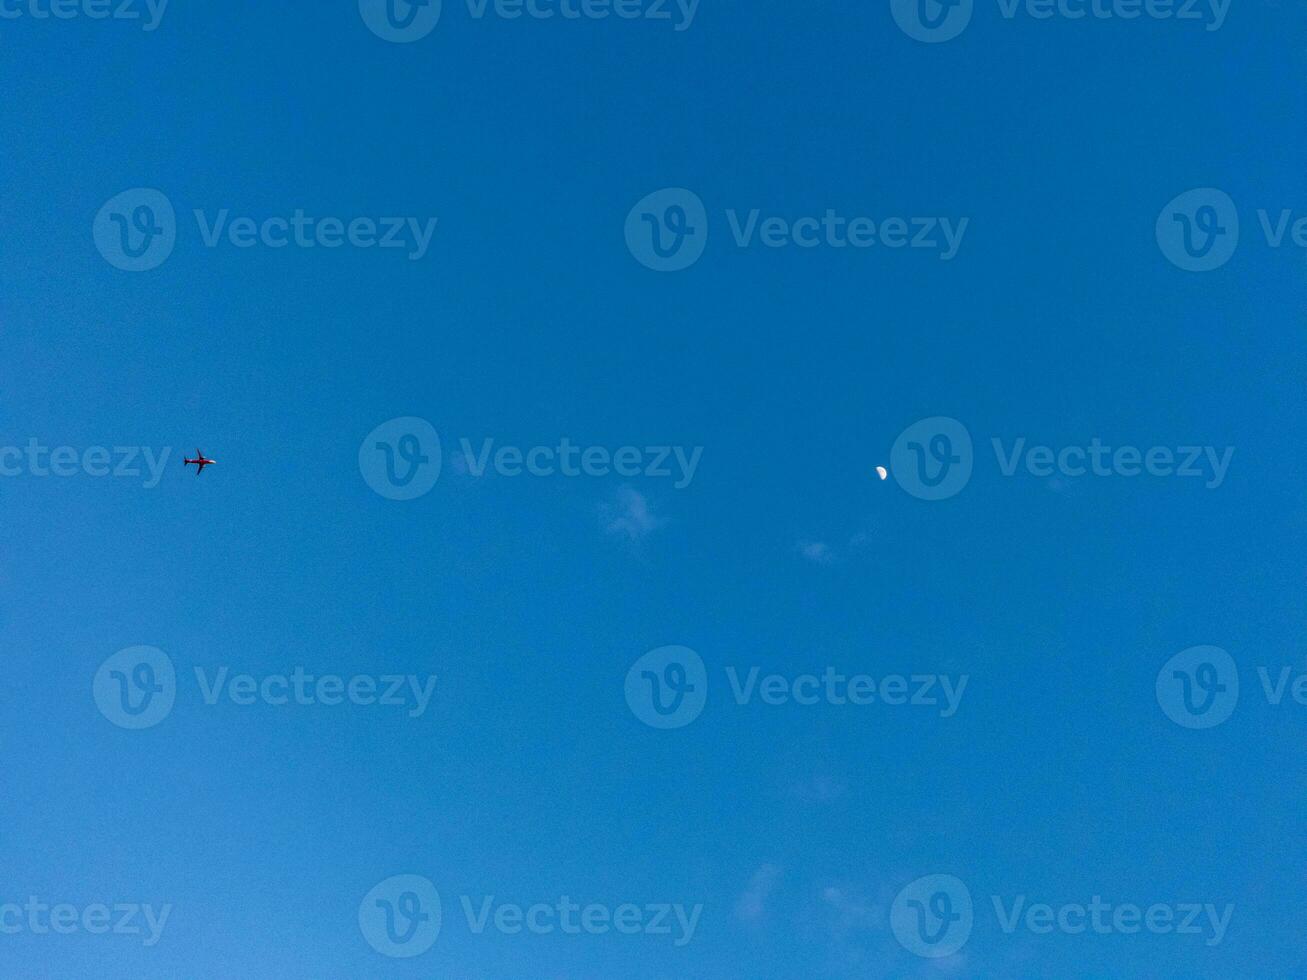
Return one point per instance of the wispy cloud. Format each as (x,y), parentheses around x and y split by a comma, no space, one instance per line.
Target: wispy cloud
(849,913)
(823,553)
(752,903)
(630,516)
(820,788)
(817,552)
(856,933)
(857,923)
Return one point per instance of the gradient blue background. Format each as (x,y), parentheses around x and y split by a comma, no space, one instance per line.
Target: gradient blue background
(529,777)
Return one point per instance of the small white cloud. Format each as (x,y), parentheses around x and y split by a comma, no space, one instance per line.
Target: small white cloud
(752,904)
(818,552)
(631,516)
(850,913)
(819,789)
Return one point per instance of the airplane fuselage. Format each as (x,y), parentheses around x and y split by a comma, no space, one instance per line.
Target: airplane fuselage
(200,461)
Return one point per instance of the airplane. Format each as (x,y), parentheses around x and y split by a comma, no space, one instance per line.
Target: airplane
(199,461)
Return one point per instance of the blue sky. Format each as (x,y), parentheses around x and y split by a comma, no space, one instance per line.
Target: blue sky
(528,776)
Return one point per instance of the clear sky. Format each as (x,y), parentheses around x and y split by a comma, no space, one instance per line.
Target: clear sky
(529,316)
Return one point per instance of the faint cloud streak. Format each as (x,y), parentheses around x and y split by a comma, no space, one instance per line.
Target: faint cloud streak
(752,903)
(817,552)
(631,516)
